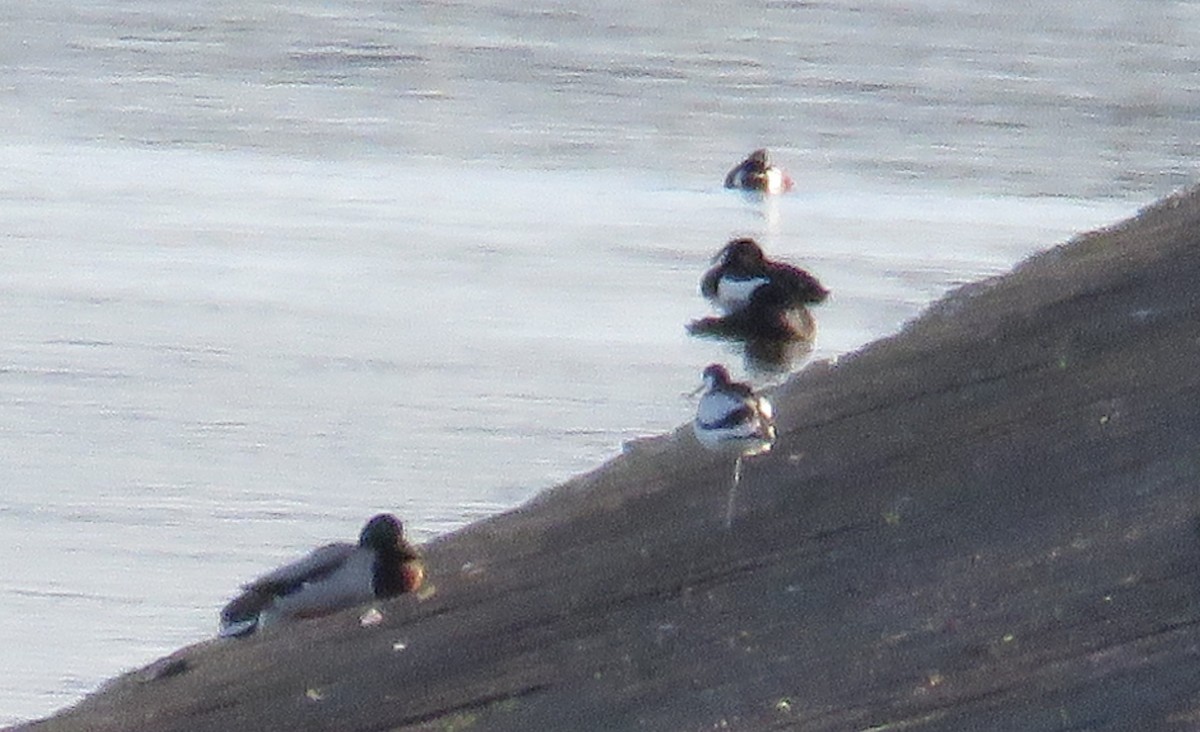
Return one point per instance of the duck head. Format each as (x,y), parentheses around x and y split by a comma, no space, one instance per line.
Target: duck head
(382,532)
(744,253)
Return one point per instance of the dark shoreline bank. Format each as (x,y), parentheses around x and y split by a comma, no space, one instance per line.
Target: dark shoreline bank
(988,521)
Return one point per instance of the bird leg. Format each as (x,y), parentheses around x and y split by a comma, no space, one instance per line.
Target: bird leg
(737,476)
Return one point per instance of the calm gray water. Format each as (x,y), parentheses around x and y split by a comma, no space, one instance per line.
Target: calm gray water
(268,268)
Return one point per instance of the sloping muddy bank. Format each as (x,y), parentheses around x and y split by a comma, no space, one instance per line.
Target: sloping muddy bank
(989,521)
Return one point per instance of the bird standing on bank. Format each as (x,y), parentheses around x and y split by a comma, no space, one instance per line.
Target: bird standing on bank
(732,420)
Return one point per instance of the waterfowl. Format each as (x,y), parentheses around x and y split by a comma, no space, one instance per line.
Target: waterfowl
(732,420)
(756,173)
(742,269)
(330,578)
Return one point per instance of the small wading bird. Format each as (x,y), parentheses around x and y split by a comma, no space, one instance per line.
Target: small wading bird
(756,173)
(732,420)
(336,576)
